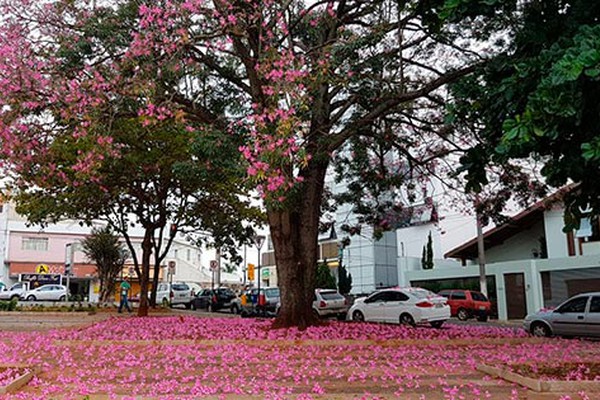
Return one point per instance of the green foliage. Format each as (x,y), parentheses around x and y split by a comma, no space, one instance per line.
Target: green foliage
(324,278)
(427,257)
(103,248)
(344,280)
(540,98)
(8,305)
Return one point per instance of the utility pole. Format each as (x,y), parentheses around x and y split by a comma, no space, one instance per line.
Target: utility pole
(245,265)
(480,251)
(218,271)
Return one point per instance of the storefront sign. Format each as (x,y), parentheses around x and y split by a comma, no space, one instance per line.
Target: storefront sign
(36,280)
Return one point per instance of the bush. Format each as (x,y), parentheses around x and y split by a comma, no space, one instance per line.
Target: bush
(8,305)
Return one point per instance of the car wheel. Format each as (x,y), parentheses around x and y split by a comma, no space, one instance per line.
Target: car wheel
(358,316)
(210,308)
(235,309)
(14,297)
(482,318)
(341,317)
(31,298)
(62,298)
(437,324)
(193,306)
(540,330)
(316,314)
(165,302)
(407,319)
(462,314)
(188,305)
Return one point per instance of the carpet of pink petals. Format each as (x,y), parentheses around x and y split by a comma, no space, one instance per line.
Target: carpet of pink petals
(189,357)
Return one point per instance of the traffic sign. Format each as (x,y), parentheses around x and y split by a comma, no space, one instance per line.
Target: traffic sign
(172,267)
(42,269)
(214,265)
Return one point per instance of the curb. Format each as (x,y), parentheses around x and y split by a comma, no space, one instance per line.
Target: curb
(539,385)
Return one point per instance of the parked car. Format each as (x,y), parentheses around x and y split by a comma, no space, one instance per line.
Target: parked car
(244,300)
(269,302)
(176,293)
(213,299)
(328,303)
(46,292)
(15,291)
(270,297)
(465,304)
(407,306)
(577,316)
(195,288)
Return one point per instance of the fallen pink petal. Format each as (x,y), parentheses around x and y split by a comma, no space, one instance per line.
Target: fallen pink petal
(188,357)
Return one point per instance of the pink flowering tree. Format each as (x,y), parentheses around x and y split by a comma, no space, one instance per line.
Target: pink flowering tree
(351,81)
(90,131)
(298,83)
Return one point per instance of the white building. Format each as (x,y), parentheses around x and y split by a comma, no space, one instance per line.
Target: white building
(530,262)
(23,248)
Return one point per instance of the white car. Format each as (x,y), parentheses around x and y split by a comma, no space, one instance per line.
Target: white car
(407,306)
(15,291)
(329,303)
(46,292)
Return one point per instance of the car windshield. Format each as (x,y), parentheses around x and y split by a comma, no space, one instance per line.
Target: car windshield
(180,286)
(331,295)
(478,296)
(274,292)
(422,293)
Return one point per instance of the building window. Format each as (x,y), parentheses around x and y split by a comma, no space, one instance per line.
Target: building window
(34,243)
(175,253)
(189,254)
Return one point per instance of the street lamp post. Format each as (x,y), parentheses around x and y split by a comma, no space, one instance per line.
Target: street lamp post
(259,240)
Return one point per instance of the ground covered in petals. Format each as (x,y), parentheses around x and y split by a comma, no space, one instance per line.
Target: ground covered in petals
(184,357)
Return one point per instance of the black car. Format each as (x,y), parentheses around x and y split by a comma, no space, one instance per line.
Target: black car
(213,299)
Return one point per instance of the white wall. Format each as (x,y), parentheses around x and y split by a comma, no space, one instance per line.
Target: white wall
(555,238)
(531,269)
(517,247)
(412,239)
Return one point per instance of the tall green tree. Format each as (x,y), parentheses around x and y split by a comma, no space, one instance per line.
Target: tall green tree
(324,278)
(104,140)
(427,258)
(103,248)
(344,280)
(538,100)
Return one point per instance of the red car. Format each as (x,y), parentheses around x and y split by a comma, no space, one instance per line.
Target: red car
(465,304)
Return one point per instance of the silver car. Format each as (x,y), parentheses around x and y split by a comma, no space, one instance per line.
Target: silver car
(328,303)
(578,316)
(46,292)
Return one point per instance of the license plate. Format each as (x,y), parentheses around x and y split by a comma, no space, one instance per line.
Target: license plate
(439,305)
(481,307)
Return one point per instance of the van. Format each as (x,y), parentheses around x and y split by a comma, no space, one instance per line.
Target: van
(176,293)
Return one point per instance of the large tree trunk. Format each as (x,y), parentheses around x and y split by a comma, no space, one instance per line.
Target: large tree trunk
(294,233)
(145,277)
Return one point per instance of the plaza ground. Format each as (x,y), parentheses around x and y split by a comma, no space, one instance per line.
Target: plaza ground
(186,355)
